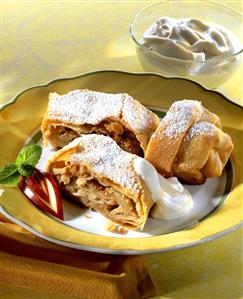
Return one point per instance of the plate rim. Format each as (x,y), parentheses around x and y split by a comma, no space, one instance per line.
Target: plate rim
(119,251)
(134,251)
(46,84)
(223,197)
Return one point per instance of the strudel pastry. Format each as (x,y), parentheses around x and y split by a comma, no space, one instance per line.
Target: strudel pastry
(119,116)
(189,143)
(97,173)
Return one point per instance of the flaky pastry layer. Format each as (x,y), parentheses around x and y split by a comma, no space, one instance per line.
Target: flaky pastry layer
(189,143)
(97,173)
(79,112)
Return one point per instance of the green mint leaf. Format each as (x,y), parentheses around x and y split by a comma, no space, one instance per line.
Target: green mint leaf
(25,170)
(11,180)
(7,171)
(29,155)
(9,175)
(27,158)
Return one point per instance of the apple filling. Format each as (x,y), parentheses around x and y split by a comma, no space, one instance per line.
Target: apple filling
(95,193)
(59,135)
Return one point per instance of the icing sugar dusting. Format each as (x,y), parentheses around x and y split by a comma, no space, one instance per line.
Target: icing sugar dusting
(91,107)
(106,159)
(84,106)
(180,117)
(200,128)
(138,117)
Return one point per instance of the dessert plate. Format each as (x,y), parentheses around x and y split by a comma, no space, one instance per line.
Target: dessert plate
(217,203)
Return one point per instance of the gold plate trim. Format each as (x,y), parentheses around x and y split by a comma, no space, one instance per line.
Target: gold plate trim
(153,90)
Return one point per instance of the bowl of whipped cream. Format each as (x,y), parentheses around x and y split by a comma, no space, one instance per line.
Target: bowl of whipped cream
(198,40)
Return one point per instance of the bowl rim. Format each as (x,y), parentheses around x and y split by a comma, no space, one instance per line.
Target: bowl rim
(222,57)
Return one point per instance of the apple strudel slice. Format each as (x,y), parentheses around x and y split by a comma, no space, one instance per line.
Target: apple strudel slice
(119,116)
(189,144)
(96,172)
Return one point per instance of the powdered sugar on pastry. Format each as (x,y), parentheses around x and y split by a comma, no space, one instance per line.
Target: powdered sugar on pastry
(105,157)
(97,173)
(92,107)
(137,116)
(85,111)
(189,144)
(180,117)
(200,128)
(84,106)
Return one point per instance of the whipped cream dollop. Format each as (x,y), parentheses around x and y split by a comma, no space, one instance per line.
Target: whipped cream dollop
(171,199)
(190,39)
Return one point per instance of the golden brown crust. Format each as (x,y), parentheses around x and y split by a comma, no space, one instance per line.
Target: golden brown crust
(190,146)
(119,116)
(100,175)
(166,141)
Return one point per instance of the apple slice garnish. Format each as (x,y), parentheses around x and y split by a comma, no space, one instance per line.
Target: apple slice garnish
(42,180)
(42,189)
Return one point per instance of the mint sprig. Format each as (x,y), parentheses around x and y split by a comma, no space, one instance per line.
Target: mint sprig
(25,162)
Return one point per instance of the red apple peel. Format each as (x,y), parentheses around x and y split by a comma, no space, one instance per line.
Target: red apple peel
(46,195)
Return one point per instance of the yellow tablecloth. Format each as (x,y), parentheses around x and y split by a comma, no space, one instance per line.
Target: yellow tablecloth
(43,40)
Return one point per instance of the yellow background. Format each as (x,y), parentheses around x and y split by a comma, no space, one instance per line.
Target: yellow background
(43,40)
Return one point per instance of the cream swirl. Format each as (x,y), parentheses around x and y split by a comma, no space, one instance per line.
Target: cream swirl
(189,39)
(171,199)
